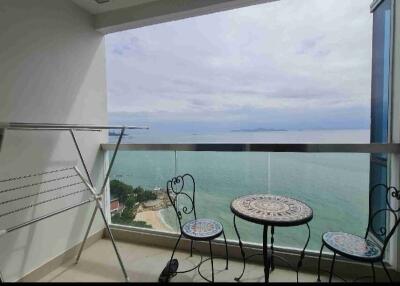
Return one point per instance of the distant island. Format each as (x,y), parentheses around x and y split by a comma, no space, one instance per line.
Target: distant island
(258,130)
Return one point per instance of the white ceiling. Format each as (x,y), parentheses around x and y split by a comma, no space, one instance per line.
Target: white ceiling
(94,8)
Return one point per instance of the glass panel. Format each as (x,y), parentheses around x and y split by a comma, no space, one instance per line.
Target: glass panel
(221,177)
(334,185)
(137,184)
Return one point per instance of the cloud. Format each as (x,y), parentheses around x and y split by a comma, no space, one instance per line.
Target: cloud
(291,56)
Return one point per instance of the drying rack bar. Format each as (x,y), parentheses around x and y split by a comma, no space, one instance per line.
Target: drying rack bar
(42,202)
(39,193)
(37,183)
(37,174)
(56,126)
(50,129)
(11,229)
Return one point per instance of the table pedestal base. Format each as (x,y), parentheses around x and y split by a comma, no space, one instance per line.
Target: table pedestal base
(267,258)
(269,255)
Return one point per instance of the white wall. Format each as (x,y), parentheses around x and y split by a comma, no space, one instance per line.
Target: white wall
(52,69)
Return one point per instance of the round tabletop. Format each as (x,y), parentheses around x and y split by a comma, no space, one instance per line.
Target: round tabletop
(271,210)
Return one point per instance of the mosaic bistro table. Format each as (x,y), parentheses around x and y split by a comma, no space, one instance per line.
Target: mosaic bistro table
(270,211)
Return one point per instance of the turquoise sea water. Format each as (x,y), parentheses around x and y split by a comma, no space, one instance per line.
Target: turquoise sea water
(335,185)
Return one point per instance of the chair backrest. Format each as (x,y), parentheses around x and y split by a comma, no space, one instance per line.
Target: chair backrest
(182,196)
(382,223)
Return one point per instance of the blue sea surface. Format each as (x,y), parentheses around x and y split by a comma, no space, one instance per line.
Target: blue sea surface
(335,185)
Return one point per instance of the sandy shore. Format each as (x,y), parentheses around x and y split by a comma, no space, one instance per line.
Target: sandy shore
(154,219)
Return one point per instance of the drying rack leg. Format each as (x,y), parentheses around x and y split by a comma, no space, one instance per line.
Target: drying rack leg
(103,188)
(101,210)
(80,156)
(86,234)
(98,198)
(114,245)
(98,207)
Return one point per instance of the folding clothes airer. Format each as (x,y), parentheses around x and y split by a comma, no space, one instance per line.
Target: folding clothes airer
(65,183)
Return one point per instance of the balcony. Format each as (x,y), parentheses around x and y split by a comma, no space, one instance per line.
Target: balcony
(53,71)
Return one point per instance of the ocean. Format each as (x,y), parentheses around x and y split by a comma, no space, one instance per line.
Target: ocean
(335,185)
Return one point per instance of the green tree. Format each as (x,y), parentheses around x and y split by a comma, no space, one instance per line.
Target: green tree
(120,190)
(130,202)
(143,196)
(129,196)
(127,214)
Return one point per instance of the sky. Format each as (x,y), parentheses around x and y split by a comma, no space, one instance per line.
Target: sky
(290,64)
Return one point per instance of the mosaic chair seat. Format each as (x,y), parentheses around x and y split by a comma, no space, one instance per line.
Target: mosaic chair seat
(200,229)
(181,193)
(352,246)
(364,249)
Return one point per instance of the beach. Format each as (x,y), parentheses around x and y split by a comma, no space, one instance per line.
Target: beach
(154,219)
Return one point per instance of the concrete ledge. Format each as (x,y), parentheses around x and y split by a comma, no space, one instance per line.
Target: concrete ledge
(161,11)
(54,263)
(343,267)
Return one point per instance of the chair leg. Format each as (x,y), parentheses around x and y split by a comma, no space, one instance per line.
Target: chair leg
(212,262)
(173,252)
(319,263)
(331,271)
(387,272)
(373,272)
(226,251)
(241,249)
(191,247)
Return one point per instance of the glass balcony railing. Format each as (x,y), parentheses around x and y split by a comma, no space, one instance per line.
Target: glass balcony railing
(334,184)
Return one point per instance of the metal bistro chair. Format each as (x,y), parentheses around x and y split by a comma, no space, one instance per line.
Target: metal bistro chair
(202,229)
(364,249)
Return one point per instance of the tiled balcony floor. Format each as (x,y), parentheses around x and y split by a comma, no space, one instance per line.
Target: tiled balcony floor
(144,264)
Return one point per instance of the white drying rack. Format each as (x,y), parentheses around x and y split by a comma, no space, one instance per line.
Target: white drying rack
(59,185)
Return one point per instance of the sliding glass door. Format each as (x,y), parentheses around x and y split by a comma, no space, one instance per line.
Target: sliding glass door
(380,99)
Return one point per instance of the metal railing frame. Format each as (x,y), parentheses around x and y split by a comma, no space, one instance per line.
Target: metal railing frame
(393,148)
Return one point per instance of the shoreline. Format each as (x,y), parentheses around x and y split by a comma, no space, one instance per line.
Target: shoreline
(162,219)
(155,219)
